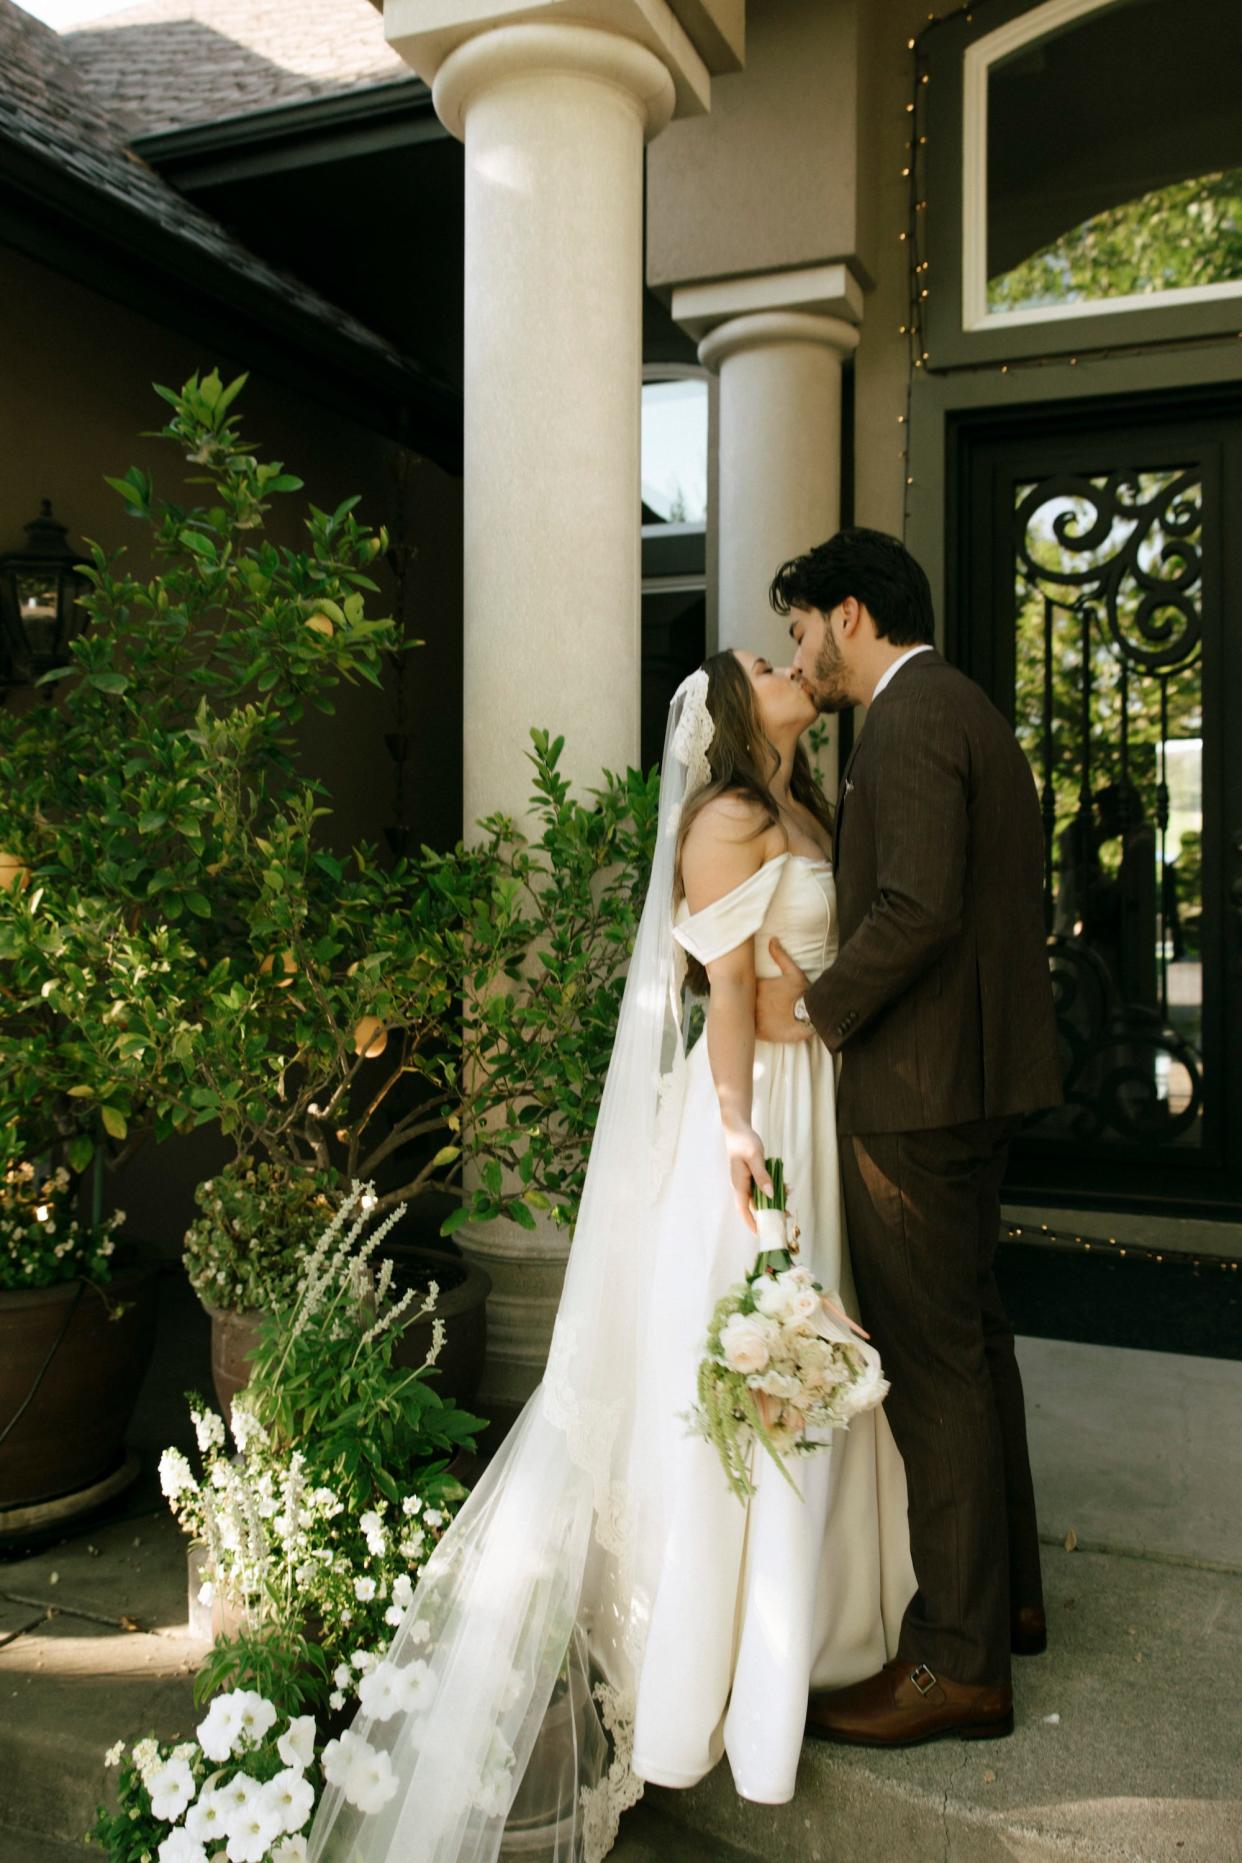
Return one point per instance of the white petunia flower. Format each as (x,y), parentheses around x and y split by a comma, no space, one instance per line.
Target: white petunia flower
(412,1504)
(382,1693)
(336,1699)
(418,1686)
(364,1590)
(180,1847)
(434,1517)
(296,1745)
(218,1734)
(256,1714)
(419,1633)
(364,1774)
(292,1796)
(208,1819)
(290,1850)
(254,1830)
(364,1660)
(171,1787)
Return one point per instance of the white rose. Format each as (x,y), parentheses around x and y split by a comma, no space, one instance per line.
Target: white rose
(804,1305)
(870,1387)
(746,1341)
(771,1297)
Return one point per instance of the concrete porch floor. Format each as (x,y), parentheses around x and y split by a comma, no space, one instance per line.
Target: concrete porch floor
(1138,1453)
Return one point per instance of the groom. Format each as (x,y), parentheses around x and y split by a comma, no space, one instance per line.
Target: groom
(940,1006)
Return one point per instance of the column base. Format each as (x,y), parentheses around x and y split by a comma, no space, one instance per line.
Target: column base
(527,1269)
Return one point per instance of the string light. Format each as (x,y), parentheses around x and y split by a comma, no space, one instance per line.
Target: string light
(1134,1251)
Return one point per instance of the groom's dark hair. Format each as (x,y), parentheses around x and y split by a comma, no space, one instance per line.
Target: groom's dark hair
(875,569)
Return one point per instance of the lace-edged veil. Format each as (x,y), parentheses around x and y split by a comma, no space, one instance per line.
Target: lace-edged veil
(526,1627)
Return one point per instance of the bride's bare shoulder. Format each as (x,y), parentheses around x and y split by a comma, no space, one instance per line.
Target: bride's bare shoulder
(729,839)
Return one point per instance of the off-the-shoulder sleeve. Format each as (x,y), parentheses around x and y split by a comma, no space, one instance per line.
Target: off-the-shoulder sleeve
(733,918)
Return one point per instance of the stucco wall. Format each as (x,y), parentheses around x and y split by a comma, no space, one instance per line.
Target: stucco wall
(76,374)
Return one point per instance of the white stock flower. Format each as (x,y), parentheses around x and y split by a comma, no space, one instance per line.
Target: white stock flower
(176,1475)
(343,1675)
(746,1341)
(373,1533)
(364,1660)
(146,1757)
(171,1787)
(208,1430)
(296,1745)
(412,1504)
(115,1754)
(403,1590)
(180,1847)
(434,1517)
(291,1796)
(336,1699)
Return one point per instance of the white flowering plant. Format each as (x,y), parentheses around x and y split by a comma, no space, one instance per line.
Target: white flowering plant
(784,1365)
(243,1789)
(316,1528)
(42,1243)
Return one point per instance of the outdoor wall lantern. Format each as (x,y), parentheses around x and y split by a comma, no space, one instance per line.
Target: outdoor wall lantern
(39,587)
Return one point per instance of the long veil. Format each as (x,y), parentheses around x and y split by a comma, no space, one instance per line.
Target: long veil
(526,1629)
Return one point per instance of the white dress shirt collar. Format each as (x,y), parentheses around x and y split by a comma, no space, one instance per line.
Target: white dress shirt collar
(923,647)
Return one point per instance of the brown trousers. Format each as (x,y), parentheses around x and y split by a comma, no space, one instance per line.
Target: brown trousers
(923,1210)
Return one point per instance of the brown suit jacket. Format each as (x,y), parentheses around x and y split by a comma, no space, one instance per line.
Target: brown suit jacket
(939,1001)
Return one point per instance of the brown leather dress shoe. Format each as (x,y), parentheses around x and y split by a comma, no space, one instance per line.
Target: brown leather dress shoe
(1029,1631)
(906,1704)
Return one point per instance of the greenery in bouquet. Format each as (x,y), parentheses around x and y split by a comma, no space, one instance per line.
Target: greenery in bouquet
(243,1788)
(784,1365)
(316,1530)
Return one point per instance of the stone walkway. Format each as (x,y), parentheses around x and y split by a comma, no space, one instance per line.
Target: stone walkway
(1128,1740)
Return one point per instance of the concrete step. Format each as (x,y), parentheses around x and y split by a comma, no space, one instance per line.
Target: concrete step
(1126,1746)
(22,1847)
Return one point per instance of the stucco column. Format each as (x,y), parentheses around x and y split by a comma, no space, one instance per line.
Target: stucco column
(554,118)
(780,457)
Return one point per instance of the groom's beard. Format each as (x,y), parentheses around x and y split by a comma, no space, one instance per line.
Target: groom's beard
(828,683)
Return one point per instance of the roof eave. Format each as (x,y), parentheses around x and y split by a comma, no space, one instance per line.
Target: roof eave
(84,232)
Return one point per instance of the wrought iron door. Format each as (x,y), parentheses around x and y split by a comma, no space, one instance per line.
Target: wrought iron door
(1096,592)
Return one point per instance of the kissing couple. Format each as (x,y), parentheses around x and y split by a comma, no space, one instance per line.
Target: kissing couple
(604,1612)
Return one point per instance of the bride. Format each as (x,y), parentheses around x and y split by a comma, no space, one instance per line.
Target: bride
(601,1568)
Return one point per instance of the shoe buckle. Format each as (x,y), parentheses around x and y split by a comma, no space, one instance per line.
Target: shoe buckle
(917,1676)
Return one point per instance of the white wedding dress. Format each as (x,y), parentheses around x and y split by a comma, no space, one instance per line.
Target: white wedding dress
(601,1579)
(753,1605)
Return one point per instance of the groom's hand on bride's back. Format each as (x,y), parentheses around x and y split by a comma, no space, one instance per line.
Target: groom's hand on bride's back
(775,998)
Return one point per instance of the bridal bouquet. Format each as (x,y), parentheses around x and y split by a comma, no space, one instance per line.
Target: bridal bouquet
(785,1366)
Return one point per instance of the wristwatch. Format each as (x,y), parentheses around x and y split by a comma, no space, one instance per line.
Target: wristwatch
(801,1012)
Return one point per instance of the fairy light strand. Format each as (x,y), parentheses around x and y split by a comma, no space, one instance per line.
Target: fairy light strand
(918,267)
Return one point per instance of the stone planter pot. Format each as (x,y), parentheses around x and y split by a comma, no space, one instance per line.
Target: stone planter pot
(462,1306)
(70,1435)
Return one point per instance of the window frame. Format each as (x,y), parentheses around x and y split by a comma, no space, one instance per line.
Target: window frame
(958,328)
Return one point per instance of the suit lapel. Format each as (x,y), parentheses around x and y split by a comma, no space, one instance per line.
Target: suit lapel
(842,797)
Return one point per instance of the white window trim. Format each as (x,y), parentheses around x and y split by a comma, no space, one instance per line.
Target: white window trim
(979,59)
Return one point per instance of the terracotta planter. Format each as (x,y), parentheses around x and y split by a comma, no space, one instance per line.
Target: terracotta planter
(72,1433)
(462,1306)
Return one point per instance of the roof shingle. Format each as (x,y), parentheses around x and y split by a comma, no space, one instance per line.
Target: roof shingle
(165,63)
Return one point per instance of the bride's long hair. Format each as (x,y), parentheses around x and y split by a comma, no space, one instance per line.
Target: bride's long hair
(743,760)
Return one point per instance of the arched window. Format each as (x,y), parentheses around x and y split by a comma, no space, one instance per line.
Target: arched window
(1102,148)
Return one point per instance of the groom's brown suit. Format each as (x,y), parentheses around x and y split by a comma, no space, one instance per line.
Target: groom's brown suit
(940,1005)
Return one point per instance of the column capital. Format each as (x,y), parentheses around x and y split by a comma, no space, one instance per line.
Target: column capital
(818,290)
(430,33)
(510,52)
(761,329)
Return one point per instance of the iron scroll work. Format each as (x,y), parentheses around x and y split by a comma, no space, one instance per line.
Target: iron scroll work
(1108,585)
